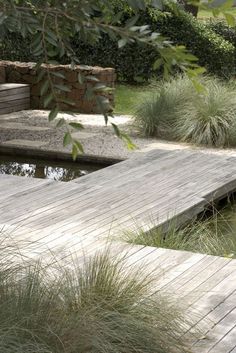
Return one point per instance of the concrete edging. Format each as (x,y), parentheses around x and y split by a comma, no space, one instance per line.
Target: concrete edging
(56,155)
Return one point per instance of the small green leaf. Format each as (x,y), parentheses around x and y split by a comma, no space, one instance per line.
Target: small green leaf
(67,101)
(47,100)
(76,126)
(41,75)
(79,146)
(62,88)
(122,42)
(157,64)
(53,114)
(61,122)
(99,87)
(92,78)
(74,152)
(130,145)
(51,41)
(67,139)
(80,78)
(116,129)
(44,88)
(57,74)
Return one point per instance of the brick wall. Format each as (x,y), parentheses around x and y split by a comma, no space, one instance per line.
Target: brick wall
(18,72)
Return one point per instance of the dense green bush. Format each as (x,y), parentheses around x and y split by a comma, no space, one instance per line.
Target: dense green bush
(215,53)
(15,48)
(221,28)
(135,61)
(178,112)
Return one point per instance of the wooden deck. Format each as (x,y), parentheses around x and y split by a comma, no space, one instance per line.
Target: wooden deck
(147,190)
(14,97)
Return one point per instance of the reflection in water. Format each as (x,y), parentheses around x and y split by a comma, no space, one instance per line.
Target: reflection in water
(64,171)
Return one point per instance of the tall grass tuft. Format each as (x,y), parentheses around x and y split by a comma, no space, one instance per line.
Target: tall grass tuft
(211,117)
(177,111)
(157,112)
(212,236)
(99,307)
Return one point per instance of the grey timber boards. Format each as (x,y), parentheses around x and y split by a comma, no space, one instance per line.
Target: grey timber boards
(148,190)
(14,97)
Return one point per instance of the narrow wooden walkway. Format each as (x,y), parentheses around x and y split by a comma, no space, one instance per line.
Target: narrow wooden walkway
(147,190)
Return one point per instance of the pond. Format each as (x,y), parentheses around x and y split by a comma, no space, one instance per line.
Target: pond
(45,169)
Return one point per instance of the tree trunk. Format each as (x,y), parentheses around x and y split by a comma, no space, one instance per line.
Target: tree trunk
(189,8)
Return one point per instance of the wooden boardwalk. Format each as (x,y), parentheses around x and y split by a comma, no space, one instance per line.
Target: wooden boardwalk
(147,191)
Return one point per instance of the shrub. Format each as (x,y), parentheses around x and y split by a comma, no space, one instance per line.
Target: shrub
(134,62)
(221,28)
(16,48)
(213,51)
(97,308)
(178,112)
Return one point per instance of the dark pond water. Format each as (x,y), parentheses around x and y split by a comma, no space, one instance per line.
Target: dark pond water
(45,169)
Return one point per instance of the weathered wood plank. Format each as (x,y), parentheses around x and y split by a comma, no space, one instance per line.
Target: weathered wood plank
(11,86)
(81,216)
(14,97)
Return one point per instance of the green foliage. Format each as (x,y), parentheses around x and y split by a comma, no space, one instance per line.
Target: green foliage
(127,96)
(56,31)
(212,236)
(108,33)
(177,111)
(223,29)
(159,110)
(210,118)
(134,61)
(99,307)
(213,52)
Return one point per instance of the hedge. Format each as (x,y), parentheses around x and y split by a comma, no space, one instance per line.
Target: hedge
(135,61)
(221,28)
(213,51)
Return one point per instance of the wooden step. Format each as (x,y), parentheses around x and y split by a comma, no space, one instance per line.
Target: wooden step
(14,97)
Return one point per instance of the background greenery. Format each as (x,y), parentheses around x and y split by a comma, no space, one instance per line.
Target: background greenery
(212,42)
(176,111)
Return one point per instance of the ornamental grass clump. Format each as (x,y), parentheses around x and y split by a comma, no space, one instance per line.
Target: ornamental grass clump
(99,308)
(157,113)
(178,112)
(210,117)
(212,236)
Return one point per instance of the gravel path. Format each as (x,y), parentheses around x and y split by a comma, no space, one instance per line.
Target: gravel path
(32,129)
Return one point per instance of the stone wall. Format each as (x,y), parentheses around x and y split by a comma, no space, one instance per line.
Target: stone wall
(17,72)
(2,74)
